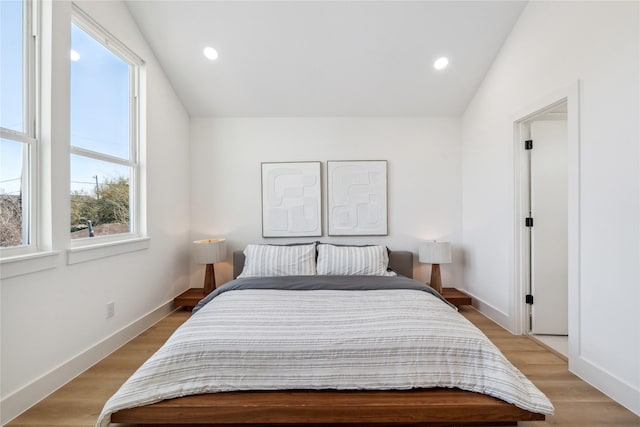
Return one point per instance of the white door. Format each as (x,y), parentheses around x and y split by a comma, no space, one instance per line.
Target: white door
(549,233)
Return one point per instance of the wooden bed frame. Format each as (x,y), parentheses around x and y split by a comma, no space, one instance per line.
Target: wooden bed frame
(418,407)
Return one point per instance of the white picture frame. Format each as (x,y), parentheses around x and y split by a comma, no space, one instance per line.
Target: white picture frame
(291,199)
(357,198)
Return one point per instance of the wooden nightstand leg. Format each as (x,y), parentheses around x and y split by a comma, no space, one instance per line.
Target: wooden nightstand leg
(189,298)
(456,297)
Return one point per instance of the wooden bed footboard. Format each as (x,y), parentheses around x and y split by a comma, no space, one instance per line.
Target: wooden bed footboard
(432,407)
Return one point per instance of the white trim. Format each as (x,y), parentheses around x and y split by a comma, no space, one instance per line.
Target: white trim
(573,225)
(28,263)
(19,401)
(616,388)
(569,94)
(521,238)
(97,31)
(106,249)
(500,317)
(140,190)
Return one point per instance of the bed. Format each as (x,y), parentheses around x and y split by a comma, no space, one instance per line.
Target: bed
(326,349)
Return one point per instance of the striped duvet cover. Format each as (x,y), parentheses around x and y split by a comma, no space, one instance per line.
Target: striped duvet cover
(277,339)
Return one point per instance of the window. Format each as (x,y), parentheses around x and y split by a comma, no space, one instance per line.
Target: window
(104,129)
(17,128)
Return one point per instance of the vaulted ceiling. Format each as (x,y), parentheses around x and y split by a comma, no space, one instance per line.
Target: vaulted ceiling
(325,58)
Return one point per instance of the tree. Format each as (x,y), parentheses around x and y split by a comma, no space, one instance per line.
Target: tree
(110,205)
(113,198)
(83,209)
(10,220)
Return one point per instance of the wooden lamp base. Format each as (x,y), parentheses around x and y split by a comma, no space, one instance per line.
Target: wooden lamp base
(435,282)
(209,279)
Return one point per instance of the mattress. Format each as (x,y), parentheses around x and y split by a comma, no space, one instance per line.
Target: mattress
(356,333)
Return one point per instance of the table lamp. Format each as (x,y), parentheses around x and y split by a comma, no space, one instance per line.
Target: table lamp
(435,253)
(210,251)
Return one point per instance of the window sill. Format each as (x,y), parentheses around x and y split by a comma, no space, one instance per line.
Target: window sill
(102,250)
(29,263)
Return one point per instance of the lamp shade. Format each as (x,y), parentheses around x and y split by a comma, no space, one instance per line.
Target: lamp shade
(208,251)
(432,252)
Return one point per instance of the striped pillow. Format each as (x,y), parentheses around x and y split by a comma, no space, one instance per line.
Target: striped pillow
(353,260)
(273,260)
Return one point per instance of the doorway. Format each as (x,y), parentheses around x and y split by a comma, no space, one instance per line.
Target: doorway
(545,225)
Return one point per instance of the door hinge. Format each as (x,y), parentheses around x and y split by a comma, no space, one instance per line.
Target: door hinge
(528,299)
(528,144)
(528,222)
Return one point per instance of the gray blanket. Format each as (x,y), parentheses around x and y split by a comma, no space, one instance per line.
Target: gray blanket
(318,283)
(394,336)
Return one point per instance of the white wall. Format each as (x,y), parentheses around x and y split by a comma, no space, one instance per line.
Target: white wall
(423,177)
(54,322)
(553,45)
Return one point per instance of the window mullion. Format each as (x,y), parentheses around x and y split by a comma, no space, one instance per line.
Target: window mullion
(16,136)
(133,114)
(25,194)
(26,68)
(133,149)
(101,156)
(34,70)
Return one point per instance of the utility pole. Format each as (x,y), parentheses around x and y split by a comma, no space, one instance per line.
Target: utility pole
(96,178)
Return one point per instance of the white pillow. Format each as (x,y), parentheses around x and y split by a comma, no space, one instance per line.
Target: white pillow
(273,260)
(353,260)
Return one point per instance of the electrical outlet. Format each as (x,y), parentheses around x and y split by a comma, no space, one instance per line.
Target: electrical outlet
(111,309)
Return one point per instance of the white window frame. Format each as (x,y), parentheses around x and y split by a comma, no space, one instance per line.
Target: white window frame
(29,137)
(86,249)
(37,254)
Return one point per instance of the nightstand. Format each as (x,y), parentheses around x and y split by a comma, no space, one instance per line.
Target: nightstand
(189,298)
(456,297)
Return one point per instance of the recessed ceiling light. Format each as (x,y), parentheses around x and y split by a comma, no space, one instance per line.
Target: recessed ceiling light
(210,53)
(75,56)
(441,63)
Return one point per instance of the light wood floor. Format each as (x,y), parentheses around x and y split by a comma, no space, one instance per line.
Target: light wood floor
(577,404)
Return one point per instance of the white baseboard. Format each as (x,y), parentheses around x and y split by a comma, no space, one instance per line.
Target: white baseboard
(498,316)
(19,401)
(617,389)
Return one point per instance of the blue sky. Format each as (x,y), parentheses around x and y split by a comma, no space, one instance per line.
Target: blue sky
(99,110)
(11,89)
(11,64)
(99,104)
